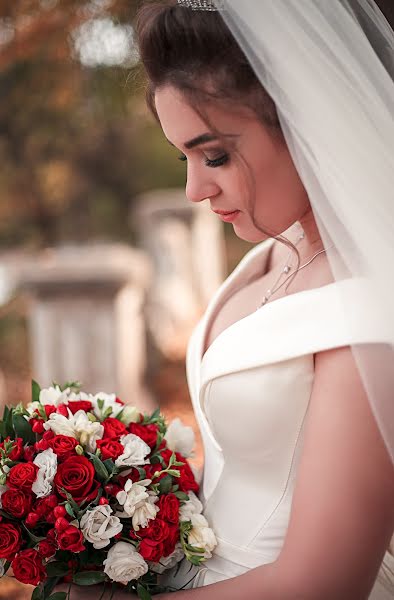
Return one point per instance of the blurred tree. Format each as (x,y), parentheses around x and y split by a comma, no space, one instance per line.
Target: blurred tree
(75,141)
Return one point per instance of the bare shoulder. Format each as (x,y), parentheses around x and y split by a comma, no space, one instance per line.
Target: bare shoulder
(342,515)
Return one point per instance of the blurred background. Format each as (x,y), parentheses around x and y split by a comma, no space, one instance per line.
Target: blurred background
(105,267)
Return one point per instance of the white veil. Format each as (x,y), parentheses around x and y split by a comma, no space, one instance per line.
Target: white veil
(329,67)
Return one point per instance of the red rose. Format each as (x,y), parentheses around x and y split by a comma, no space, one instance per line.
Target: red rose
(17,451)
(10,540)
(157,530)
(70,539)
(148,433)
(171,540)
(46,549)
(44,506)
(28,453)
(37,425)
(186,481)
(76,476)
(16,502)
(22,475)
(76,405)
(62,410)
(169,508)
(113,428)
(28,567)
(110,448)
(151,550)
(49,409)
(63,446)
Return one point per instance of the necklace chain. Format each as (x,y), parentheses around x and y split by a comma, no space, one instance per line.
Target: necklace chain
(286,270)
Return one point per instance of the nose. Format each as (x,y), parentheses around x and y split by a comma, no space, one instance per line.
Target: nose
(200,185)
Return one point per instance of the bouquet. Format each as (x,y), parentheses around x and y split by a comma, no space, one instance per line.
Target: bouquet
(92,491)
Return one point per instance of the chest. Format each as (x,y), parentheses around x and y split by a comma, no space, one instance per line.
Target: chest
(245,298)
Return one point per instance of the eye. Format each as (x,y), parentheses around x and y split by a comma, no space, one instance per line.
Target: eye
(217,162)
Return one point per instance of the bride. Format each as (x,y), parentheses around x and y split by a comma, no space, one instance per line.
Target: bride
(283,111)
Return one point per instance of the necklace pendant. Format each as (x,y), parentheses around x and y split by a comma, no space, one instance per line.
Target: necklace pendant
(286,269)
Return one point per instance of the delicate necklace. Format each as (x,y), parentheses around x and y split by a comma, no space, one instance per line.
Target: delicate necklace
(286,269)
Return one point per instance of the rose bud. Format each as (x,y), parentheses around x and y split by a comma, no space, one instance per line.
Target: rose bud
(61,524)
(103,501)
(59,511)
(37,425)
(32,519)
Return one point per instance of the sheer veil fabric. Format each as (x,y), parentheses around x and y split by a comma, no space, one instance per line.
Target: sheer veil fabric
(329,67)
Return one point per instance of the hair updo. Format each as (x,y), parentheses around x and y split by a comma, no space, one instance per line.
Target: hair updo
(195,52)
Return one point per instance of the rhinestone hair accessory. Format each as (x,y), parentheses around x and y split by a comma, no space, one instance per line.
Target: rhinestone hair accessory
(207,5)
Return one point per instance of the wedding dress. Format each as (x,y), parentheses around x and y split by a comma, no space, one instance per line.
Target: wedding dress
(250,393)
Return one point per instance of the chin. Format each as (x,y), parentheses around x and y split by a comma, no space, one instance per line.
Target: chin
(254,237)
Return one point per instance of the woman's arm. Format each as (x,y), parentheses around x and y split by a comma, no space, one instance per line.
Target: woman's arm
(342,515)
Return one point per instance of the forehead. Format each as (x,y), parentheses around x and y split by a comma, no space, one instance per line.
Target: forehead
(180,122)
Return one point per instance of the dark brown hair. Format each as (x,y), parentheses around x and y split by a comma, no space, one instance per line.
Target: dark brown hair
(195,52)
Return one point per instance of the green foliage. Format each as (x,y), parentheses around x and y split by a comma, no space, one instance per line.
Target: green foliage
(89,577)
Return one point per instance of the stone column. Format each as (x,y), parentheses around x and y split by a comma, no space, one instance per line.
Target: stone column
(186,244)
(86,318)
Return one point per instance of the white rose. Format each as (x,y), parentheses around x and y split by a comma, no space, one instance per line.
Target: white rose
(180,438)
(107,401)
(61,425)
(124,563)
(167,562)
(145,512)
(3,488)
(46,462)
(192,507)
(130,414)
(87,432)
(202,535)
(137,502)
(2,563)
(135,451)
(99,526)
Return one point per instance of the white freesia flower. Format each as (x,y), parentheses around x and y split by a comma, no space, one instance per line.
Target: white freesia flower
(108,401)
(124,563)
(192,507)
(87,432)
(3,488)
(167,562)
(99,526)
(137,502)
(46,462)
(130,414)
(180,438)
(135,451)
(202,535)
(77,426)
(52,396)
(61,425)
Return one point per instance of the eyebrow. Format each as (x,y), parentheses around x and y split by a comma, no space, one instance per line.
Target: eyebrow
(204,139)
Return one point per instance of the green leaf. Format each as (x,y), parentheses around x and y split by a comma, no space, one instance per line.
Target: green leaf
(34,538)
(194,549)
(109,465)
(57,569)
(99,467)
(143,593)
(69,510)
(182,496)
(35,391)
(89,578)
(23,429)
(58,596)
(38,593)
(195,560)
(165,484)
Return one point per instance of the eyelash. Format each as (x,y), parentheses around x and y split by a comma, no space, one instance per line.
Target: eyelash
(213,163)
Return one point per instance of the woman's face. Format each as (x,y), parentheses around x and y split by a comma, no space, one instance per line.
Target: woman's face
(214,173)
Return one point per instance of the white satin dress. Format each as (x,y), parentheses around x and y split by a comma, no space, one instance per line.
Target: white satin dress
(250,393)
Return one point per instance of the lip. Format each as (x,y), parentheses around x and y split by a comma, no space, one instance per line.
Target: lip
(229,217)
